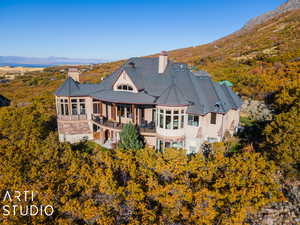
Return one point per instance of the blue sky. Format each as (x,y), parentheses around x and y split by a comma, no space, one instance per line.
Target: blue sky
(110,29)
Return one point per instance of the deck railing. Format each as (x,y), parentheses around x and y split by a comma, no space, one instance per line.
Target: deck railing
(143,128)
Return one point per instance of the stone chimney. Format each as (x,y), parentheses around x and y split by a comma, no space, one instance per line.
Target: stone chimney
(74,73)
(162,62)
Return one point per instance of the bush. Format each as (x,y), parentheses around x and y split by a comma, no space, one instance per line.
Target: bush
(130,138)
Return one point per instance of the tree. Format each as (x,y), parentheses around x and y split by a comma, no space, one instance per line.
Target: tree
(282,135)
(130,138)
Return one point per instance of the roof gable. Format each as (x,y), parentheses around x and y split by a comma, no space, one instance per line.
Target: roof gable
(124,79)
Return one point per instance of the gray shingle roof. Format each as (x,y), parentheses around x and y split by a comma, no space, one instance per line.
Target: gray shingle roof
(4,101)
(177,86)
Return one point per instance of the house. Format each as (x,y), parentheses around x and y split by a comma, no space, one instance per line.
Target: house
(171,106)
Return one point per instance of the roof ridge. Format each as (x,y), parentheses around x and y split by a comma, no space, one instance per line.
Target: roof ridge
(195,92)
(217,94)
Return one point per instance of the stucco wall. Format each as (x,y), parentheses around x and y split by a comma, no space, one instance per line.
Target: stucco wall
(150,140)
(74,138)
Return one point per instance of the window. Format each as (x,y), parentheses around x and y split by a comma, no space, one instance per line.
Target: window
(213,118)
(192,150)
(167,144)
(168,119)
(125,87)
(162,144)
(176,144)
(125,111)
(74,106)
(82,106)
(193,120)
(161,118)
(212,140)
(121,111)
(96,108)
(175,119)
(63,107)
(176,122)
(154,118)
(182,119)
(128,111)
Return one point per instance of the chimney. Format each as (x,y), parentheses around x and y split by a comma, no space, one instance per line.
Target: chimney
(74,73)
(162,62)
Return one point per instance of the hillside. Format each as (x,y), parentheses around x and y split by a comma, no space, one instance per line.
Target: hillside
(253,58)
(285,7)
(251,178)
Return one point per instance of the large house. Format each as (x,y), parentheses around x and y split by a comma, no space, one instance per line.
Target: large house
(171,106)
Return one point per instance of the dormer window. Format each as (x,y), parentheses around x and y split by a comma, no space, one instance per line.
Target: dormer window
(125,87)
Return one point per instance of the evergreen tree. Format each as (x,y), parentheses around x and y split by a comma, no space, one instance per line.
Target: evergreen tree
(130,138)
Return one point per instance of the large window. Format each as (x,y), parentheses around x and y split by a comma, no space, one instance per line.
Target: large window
(175,119)
(182,119)
(193,120)
(125,87)
(125,111)
(96,108)
(82,106)
(161,144)
(213,118)
(74,106)
(161,118)
(78,107)
(170,119)
(63,107)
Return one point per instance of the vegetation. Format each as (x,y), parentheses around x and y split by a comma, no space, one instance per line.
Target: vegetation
(90,185)
(130,138)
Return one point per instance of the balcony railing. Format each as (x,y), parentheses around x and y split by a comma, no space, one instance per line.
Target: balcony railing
(71,117)
(143,127)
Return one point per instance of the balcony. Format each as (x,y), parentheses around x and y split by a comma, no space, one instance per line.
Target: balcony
(143,127)
(71,117)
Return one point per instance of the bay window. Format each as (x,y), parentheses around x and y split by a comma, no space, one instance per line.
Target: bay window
(170,119)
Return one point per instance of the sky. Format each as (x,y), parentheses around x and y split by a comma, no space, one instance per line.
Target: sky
(111,29)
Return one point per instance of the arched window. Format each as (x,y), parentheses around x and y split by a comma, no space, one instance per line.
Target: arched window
(125,87)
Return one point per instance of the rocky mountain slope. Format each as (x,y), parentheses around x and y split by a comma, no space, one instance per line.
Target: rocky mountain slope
(287,6)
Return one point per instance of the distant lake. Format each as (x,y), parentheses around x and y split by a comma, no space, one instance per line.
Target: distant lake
(26,65)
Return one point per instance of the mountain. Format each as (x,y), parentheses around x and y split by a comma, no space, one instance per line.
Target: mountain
(287,6)
(258,61)
(35,61)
